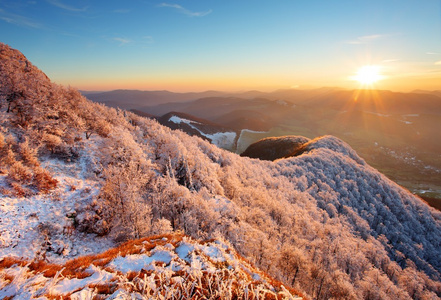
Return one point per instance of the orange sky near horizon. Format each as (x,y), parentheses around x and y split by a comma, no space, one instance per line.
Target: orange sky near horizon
(396,84)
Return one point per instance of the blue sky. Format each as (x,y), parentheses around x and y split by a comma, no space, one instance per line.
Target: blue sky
(227,45)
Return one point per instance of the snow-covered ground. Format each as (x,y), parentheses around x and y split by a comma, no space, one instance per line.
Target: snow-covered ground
(224,140)
(244,141)
(41,226)
(179,120)
(168,267)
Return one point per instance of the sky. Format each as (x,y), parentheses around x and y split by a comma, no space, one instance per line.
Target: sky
(228,45)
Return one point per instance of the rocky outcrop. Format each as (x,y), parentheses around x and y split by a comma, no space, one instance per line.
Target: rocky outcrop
(273,148)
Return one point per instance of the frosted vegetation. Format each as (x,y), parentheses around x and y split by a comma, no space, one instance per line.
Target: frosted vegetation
(161,267)
(323,222)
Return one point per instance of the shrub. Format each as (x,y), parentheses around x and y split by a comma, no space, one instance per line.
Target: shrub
(8,157)
(19,173)
(20,191)
(127,212)
(52,141)
(28,154)
(103,128)
(43,180)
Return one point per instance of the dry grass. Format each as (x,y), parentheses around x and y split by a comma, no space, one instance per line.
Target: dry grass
(222,282)
(21,165)
(104,289)
(7,262)
(48,270)
(58,297)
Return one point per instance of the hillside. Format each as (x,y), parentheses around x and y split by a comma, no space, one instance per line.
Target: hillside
(78,178)
(394,132)
(161,267)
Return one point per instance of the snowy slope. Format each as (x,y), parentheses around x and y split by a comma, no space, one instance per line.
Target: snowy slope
(323,222)
(164,267)
(41,225)
(224,140)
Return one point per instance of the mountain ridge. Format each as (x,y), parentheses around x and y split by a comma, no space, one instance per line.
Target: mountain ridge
(323,222)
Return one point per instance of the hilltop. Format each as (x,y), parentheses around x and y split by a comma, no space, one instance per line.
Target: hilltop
(79,178)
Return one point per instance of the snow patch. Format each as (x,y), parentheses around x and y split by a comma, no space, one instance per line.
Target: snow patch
(137,262)
(179,120)
(223,140)
(377,114)
(184,251)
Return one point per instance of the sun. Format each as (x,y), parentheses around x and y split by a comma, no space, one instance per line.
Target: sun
(368,75)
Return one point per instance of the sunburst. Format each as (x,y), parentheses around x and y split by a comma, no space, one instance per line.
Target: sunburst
(368,75)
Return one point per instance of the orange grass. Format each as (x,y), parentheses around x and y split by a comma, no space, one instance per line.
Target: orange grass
(209,282)
(8,262)
(104,289)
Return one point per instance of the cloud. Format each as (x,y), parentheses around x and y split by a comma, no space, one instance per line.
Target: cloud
(433,53)
(18,20)
(121,11)
(438,63)
(122,41)
(61,5)
(125,41)
(185,11)
(366,39)
(148,39)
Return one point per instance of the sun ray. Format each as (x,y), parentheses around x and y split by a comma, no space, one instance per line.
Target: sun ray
(368,75)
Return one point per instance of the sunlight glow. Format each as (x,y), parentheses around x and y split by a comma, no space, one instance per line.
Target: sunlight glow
(368,75)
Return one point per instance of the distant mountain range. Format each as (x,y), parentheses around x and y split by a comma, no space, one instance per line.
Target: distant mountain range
(134,99)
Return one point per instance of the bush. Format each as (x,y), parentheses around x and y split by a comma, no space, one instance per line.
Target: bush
(52,141)
(43,180)
(103,128)
(19,173)
(28,154)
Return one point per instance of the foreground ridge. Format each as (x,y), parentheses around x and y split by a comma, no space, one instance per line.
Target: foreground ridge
(161,267)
